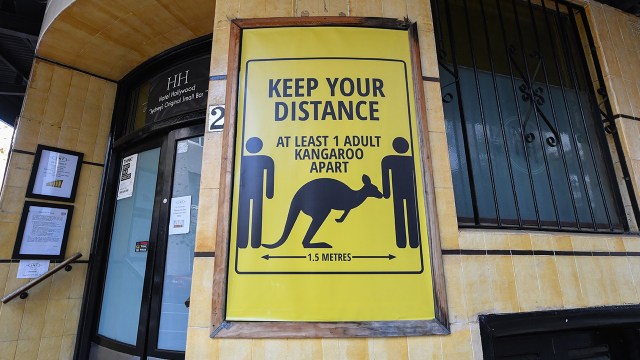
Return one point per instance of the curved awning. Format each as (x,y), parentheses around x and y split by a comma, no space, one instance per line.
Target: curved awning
(110,38)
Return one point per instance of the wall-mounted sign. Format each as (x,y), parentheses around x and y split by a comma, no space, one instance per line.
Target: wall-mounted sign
(31,269)
(55,174)
(127,176)
(141,246)
(43,231)
(180,216)
(329,215)
(179,90)
(216,118)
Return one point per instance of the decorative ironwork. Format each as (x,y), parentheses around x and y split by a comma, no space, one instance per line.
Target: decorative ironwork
(447,97)
(533,95)
(545,110)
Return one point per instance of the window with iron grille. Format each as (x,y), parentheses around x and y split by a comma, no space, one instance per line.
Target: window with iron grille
(526,142)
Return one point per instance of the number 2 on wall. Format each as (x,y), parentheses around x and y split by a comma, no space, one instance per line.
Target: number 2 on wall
(216,118)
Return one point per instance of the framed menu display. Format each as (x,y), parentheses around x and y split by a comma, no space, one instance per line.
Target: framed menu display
(55,174)
(43,231)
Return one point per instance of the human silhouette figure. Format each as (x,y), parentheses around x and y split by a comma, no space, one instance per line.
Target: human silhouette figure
(252,179)
(404,199)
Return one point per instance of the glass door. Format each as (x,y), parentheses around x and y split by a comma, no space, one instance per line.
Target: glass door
(127,264)
(144,304)
(172,284)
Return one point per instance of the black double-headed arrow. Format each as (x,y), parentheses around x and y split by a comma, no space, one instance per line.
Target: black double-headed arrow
(390,257)
(267,257)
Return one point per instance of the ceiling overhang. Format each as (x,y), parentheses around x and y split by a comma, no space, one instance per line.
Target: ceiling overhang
(110,38)
(19,29)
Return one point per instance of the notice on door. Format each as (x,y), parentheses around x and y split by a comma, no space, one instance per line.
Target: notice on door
(180,218)
(127,176)
(328,217)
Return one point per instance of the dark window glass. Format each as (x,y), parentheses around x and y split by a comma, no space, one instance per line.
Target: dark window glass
(141,94)
(526,144)
(606,343)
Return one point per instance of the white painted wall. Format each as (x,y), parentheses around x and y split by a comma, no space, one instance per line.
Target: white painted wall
(54,8)
(6,135)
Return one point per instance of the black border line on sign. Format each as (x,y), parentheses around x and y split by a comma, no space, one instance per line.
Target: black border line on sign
(415,188)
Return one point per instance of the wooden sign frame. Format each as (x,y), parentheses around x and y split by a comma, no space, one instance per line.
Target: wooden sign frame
(274,329)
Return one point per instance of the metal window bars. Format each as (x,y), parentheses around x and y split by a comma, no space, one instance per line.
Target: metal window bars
(526,141)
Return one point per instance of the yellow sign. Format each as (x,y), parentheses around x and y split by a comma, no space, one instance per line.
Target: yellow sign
(328,217)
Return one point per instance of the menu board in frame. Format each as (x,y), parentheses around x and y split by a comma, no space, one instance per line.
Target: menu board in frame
(43,231)
(55,174)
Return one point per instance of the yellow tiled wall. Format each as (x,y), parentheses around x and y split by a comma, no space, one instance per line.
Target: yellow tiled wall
(70,110)
(475,284)
(617,40)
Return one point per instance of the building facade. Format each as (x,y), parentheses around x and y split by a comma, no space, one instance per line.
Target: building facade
(540,236)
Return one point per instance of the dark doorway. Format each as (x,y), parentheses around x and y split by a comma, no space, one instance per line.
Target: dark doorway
(598,334)
(144,304)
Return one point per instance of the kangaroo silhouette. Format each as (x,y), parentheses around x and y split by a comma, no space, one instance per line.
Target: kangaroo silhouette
(317,198)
